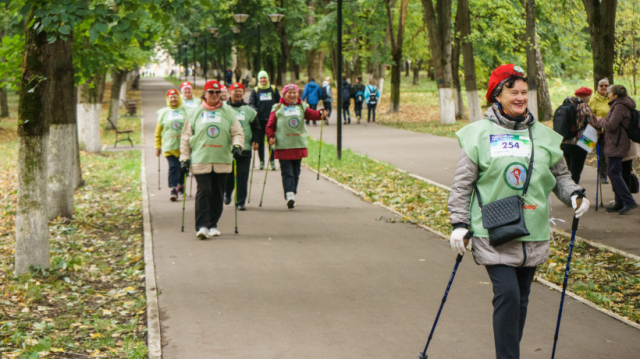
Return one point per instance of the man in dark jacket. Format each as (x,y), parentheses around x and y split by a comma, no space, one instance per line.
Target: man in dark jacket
(312,94)
(358,97)
(262,99)
(347,93)
(228,77)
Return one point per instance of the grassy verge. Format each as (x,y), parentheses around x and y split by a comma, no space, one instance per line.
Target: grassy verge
(91,302)
(607,279)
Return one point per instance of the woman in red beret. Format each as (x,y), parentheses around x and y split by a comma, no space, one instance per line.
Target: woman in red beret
(508,154)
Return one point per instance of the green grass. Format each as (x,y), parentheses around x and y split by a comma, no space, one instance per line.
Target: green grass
(431,127)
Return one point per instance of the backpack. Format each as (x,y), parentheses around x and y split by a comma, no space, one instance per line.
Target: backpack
(359,96)
(373,96)
(323,95)
(634,126)
(564,119)
(346,94)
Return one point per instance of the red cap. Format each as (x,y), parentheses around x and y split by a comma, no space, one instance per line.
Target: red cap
(212,85)
(583,92)
(172,92)
(236,86)
(500,75)
(186,84)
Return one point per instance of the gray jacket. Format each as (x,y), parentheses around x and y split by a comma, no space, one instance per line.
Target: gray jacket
(514,253)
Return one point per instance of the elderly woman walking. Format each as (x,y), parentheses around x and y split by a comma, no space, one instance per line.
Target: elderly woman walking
(167,140)
(617,145)
(211,137)
(504,156)
(599,103)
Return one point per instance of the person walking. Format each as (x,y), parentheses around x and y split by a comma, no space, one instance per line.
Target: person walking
(167,141)
(211,137)
(288,133)
(371,97)
(238,73)
(503,155)
(262,99)
(574,155)
(251,129)
(312,94)
(617,145)
(188,100)
(599,104)
(228,77)
(327,98)
(347,93)
(358,98)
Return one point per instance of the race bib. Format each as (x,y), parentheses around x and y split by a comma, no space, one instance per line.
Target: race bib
(265,96)
(510,145)
(292,111)
(176,115)
(240,116)
(213,116)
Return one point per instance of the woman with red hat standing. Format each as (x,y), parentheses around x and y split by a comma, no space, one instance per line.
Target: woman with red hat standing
(168,130)
(508,154)
(574,155)
(211,137)
(188,100)
(286,129)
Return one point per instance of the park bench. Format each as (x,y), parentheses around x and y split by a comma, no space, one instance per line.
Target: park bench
(120,132)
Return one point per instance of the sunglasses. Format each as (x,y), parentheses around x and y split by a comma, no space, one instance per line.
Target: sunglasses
(211,92)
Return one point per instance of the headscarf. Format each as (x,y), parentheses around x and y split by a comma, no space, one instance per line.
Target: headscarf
(173,92)
(262,74)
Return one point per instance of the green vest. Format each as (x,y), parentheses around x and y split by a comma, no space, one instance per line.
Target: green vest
(502,157)
(195,102)
(291,131)
(171,122)
(246,115)
(211,140)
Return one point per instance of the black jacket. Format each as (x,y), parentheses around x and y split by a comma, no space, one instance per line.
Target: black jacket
(358,86)
(347,85)
(263,107)
(256,130)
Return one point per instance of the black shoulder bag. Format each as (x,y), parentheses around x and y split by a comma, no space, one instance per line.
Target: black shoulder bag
(504,218)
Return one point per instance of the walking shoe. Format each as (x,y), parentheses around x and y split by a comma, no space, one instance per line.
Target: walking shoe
(174,195)
(306,123)
(273,165)
(261,165)
(605,180)
(214,232)
(314,123)
(241,207)
(627,208)
(203,233)
(291,200)
(614,208)
(349,121)
(181,190)
(227,199)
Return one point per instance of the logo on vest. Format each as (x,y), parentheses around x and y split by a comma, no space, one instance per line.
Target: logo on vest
(294,122)
(176,125)
(213,131)
(515,175)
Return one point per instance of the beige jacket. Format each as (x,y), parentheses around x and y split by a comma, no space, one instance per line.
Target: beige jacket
(237,138)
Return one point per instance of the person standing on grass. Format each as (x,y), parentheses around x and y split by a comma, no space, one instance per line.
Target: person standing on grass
(495,164)
(347,93)
(287,131)
(599,104)
(168,130)
(358,98)
(574,155)
(188,100)
(262,99)
(211,137)
(327,98)
(371,97)
(251,128)
(312,94)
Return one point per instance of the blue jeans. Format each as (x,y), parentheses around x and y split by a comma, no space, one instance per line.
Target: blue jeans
(345,113)
(371,109)
(176,176)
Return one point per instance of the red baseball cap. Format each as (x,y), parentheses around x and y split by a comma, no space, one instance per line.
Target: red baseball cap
(583,92)
(236,86)
(172,92)
(185,84)
(499,76)
(212,85)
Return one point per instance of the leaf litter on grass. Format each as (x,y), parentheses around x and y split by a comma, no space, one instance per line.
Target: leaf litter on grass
(608,279)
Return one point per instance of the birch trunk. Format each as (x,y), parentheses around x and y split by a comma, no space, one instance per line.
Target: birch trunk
(117,78)
(89,108)
(473,101)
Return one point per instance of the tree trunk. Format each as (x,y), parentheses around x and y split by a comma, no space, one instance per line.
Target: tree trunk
(314,57)
(545,111)
(117,78)
(439,28)
(416,72)
(601,16)
(89,108)
(473,101)
(62,135)
(4,105)
(532,65)
(455,71)
(35,104)
(396,51)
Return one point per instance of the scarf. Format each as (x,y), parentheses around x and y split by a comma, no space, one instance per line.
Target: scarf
(210,108)
(262,74)
(526,118)
(237,104)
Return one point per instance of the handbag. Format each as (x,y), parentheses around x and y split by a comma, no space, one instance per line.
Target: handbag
(504,218)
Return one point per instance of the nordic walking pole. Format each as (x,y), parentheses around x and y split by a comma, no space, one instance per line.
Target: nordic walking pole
(235,189)
(320,150)
(158,173)
(253,160)
(265,178)
(184,199)
(574,228)
(597,174)
(191,183)
(424,355)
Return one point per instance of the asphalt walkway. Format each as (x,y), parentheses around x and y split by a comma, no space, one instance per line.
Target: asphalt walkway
(330,280)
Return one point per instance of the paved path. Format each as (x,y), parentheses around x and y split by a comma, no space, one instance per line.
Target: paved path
(329,280)
(435,158)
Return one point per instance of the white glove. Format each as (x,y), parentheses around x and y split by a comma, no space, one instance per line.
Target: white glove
(584,207)
(457,240)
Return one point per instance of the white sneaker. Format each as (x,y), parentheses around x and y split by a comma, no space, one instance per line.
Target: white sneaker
(291,200)
(213,232)
(203,233)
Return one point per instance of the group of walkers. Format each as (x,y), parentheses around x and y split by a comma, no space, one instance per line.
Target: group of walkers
(216,136)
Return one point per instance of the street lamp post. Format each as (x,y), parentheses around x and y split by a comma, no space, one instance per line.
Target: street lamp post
(338,80)
(213,31)
(275,19)
(178,60)
(185,47)
(195,44)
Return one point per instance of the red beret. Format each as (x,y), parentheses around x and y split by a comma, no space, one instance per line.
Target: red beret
(212,85)
(236,86)
(172,92)
(185,84)
(500,75)
(583,92)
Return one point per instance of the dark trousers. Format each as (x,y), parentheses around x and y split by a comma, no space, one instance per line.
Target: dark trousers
(602,160)
(619,186)
(345,112)
(176,175)
(371,109)
(243,166)
(261,146)
(327,107)
(209,199)
(575,158)
(357,108)
(511,288)
(313,107)
(290,171)
(627,167)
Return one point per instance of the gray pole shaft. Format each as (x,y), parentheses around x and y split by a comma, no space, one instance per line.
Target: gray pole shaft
(339,81)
